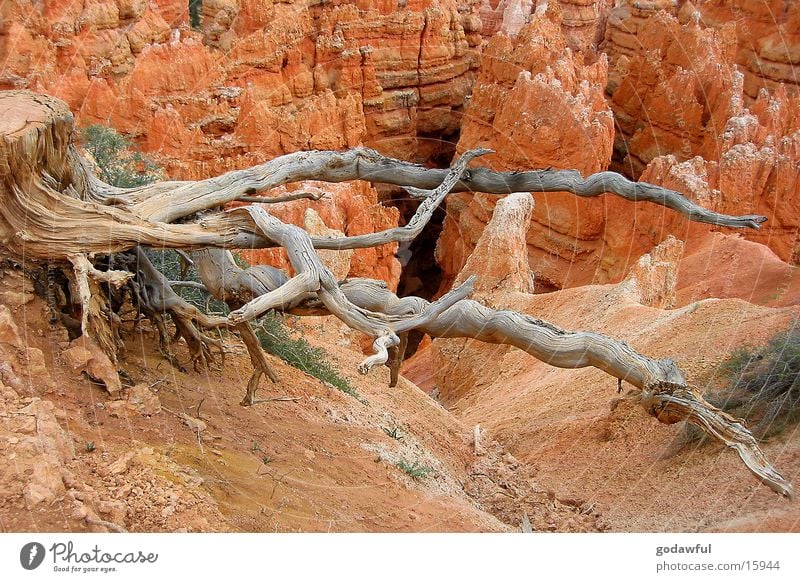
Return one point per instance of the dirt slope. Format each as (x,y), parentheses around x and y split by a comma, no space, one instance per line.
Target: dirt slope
(321,463)
(579,439)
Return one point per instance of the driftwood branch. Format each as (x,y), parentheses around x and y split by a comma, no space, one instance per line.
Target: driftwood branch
(280,199)
(190,284)
(365,164)
(53,207)
(314,277)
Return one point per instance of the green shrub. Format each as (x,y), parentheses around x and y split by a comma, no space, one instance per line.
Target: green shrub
(766,389)
(195,13)
(118,163)
(277,339)
(762,386)
(414,470)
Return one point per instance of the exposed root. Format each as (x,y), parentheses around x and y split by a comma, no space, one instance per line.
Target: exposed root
(261,366)
(98,321)
(396,356)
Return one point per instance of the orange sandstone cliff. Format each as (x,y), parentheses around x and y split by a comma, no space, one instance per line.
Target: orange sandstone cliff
(538,105)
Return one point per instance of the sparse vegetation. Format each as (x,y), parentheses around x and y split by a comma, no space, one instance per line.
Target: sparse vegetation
(195,13)
(118,162)
(763,385)
(414,470)
(277,339)
(394,432)
(90,446)
(169,263)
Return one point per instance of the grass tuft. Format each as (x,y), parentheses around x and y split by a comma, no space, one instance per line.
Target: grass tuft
(278,340)
(414,470)
(393,432)
(763,386)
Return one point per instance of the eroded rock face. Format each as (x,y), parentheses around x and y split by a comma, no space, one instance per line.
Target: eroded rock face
(768,38)
(22,366)
(258,79)
(621,36)
(500,259)
(756,171)
(538,105)
(653,279)
(582,21)
(766,35)
(677,88)
(35,450)
(686,123)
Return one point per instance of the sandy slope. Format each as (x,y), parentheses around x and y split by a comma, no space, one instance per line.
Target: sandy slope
(578,438)
(322,463)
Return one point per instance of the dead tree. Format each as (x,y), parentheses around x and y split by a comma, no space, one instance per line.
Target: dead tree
(54,212)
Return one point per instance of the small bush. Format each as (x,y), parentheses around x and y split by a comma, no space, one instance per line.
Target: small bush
(414,470)
(277,339)
(118,163)
(195,13)
(763,386)
(766,391)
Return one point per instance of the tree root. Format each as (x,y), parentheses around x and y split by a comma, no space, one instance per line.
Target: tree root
(261,366)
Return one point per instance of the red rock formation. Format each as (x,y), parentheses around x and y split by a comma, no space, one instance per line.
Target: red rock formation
(621,38)
(756,171)
(419,68)
(538,105)
(675,93)
(348,207)
(582,21)
(264,78)
(681,109)
(768,34)
(261,78)
(681,94)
